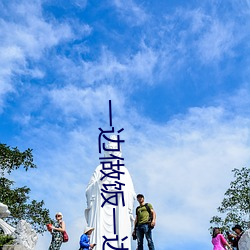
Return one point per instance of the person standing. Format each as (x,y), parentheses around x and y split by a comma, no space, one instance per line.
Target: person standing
(142,225)
(218,240)
(85,239)
(56,231)
(239,231)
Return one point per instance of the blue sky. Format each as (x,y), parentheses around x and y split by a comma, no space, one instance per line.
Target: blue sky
(177,73)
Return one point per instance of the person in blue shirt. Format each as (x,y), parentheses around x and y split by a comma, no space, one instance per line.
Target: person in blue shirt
(84,240)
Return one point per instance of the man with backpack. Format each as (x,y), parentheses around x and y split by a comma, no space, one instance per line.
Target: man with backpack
(144,223)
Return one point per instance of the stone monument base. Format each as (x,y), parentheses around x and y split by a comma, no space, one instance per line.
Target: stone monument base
(13,247)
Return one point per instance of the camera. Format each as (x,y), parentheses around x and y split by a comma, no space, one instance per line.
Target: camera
(134,235)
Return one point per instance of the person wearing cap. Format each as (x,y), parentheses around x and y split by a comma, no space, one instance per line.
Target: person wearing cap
(84,240)
(141,225)
(239,231)
(56,231)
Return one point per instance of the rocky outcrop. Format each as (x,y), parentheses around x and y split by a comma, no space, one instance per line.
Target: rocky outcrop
(244,242)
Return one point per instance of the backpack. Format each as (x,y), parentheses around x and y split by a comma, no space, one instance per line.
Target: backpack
(150,218)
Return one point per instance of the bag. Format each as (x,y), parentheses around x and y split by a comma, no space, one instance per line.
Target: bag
(65,236)
(49,227)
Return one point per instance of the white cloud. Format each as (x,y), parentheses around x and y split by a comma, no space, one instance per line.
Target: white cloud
(105,69)
(25,35)
(131,12)
(80,3)
(123,70)
(31,33)
(198,33)
(198,20)
(217,42)
(85,102)
(10,57)
(143,63)
(240,100)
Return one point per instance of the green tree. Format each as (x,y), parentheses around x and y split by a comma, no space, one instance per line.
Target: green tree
(235,207)
(17,199)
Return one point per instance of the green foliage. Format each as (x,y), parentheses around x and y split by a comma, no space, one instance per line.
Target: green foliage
(6,240)
(17,199)
(235,206)
(11,159)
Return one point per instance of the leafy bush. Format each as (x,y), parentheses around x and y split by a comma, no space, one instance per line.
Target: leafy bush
(6,240)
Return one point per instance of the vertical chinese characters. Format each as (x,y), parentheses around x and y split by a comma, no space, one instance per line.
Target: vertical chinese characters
(110,195)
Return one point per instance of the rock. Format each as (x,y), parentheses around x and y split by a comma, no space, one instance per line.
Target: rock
(244,242)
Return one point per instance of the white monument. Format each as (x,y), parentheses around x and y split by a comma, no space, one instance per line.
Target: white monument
(101,218)
(244,242)
(24,236)
(4,212)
